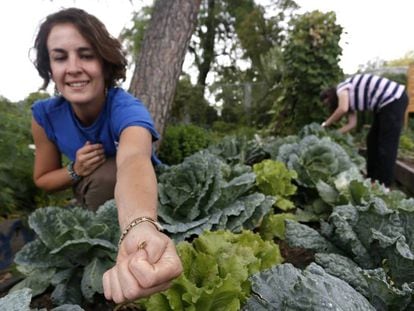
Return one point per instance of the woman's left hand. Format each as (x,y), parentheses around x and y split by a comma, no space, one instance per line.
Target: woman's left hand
(147,262)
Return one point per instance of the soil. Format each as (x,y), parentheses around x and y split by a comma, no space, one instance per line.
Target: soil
(44,301)
(299,257)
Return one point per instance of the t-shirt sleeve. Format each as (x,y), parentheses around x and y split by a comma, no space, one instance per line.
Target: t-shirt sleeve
(129,111)
(343,86)
(39,113)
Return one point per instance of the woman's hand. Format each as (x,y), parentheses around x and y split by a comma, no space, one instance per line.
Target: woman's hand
(89,158)
(147,262)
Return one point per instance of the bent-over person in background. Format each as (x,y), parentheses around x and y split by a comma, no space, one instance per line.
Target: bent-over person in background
(388,101)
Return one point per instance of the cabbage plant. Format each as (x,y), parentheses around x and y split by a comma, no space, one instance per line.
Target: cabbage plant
(205,193)
(73,248)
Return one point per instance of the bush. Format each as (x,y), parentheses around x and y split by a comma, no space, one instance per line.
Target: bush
(17,189)
(18,193)
(181,141)
(222,129)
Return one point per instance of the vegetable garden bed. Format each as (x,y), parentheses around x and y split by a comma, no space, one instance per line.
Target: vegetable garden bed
(275,223)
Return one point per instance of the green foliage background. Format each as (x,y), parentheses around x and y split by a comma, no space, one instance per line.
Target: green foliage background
(17,190)
(310,62)
(181,141)
(18,193)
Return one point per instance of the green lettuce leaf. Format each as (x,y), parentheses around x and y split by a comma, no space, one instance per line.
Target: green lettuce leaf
(273,178)
(216,266)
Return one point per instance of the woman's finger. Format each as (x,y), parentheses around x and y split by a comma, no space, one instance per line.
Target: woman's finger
(94,161)
(120,285)
(91,155)
(145,292)
(116,290)
(106,283)
(155,248)
(163,271)
(130,287)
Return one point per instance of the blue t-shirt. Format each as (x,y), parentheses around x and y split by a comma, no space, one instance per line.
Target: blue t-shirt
(55,115)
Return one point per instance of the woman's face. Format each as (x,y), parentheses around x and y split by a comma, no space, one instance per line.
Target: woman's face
(76,68)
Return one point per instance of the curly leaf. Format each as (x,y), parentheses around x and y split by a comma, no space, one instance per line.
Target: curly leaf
(285,287)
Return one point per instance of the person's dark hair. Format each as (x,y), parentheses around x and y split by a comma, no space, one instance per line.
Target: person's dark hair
(330,98)
(108,48)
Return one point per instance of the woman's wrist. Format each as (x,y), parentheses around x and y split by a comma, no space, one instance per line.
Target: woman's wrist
(136,222)
(71,171)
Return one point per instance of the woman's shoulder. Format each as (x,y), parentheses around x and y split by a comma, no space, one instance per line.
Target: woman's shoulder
(119,96)
(48,104)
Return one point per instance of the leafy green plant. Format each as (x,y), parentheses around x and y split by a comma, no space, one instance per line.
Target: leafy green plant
(17,190)
(273,226)
(372,228)
(73,248)
(181,141)
(374,284)
(315,159)
(406,147)
(18,193)
(19,300)
(239,149)
(285,287)
(216,270)
(273,178)
(310,63)
(190,105)
(205,193)
(346,141)
(221,129)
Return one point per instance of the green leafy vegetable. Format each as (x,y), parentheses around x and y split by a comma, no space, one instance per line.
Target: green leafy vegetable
(273,226)
(205,193)
(72,250)
(273,178)
(285,287)
(216,270)
(373,284)
(315,159)
(19,300)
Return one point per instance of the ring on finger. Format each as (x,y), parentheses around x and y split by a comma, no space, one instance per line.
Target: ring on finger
(142,245)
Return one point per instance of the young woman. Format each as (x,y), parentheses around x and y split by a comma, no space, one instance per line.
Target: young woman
(107,135)
(388,102)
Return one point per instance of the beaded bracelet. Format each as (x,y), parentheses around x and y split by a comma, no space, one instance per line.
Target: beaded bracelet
(136,222)
(71,171)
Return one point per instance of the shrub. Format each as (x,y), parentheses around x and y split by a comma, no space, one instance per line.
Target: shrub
(17,189)
(181,141)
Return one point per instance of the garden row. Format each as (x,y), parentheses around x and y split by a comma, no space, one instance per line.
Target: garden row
(230,208)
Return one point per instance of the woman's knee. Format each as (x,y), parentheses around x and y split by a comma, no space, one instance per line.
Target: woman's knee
(98,187)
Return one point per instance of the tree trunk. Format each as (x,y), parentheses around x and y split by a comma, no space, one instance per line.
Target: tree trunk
(207,44)
(159,64)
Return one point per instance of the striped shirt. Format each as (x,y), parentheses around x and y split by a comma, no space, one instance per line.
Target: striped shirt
(370,92)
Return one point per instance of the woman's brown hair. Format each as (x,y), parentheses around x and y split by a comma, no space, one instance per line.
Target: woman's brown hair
(330,98)
(108,48)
